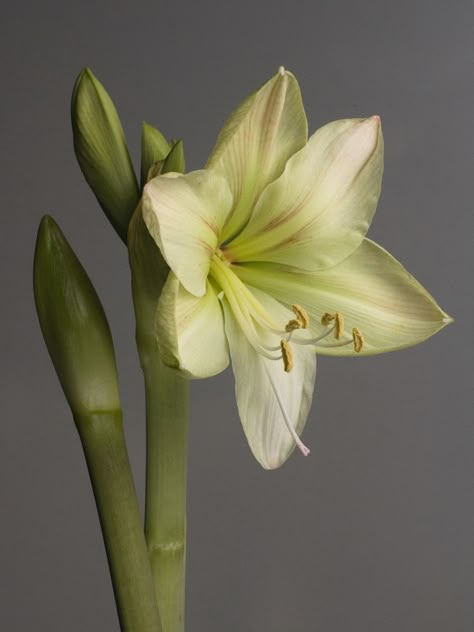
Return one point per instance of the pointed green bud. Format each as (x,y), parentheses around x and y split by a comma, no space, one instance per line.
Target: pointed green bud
(74,325)
(174,161)
(101,150)
(155,148)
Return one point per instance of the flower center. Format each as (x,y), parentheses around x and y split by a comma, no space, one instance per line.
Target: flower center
(257,323)
(260,327)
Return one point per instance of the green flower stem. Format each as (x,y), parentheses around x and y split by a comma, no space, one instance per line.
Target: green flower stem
(167,397)
(105,450)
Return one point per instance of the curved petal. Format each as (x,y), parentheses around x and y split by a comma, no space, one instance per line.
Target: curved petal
(185,215)
(370,288)
(256,141)
(260,383)
(190,331)
(319,210)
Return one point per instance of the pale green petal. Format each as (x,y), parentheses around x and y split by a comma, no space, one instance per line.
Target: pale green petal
(370,288)
(257,140)
(185,215)
(190,331)
(259,410)
(319,210)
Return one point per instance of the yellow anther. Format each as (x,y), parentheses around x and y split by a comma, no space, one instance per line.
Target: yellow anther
(287,355)
(291,325)
(301,316)
(327,318)
(338,326)
(357,339)
(337,319)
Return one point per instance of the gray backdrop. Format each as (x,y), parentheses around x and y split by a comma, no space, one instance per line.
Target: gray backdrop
(373,532)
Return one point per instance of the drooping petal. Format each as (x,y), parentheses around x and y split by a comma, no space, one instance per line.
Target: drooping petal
(256,141)
(185,215)
(190,330)
(319,210)
(370,288)
(260,384)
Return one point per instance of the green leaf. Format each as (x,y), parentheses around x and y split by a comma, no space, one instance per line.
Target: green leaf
(174,161)
(101,150)
(155,147)
(74,325)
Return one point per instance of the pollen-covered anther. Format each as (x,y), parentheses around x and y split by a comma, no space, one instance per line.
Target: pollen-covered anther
(292,325)
(287,355)
(301,316)
(357,339)
(327,319)
(338,326)
(337,321)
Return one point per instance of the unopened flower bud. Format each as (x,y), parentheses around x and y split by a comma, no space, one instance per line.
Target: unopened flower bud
(74,325)
(101,150)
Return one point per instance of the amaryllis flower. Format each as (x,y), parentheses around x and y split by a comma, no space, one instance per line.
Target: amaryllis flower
(270,265)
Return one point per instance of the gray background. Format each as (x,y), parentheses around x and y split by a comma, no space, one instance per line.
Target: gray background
(373,532)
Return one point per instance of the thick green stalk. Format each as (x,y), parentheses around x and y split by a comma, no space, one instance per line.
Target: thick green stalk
(167,433)
(105,450)
(167,397)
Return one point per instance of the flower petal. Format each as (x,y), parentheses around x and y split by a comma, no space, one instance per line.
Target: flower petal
(185,215)
(259,409)
(370,288)
(256,141)
(191,334)
(319,210)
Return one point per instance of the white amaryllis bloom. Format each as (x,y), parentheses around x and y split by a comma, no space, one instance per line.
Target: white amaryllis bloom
(269,262)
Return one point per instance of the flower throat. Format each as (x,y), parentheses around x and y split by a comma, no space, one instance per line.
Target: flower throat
(250,314)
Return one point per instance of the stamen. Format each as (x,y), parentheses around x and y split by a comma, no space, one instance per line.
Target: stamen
(312,341)
(357,339)
(335,344)
(301,316)
(287,355)
(242,314)
(327,318)
(301,446)
(252,315)
(339,326)
(338,320)
(291,325)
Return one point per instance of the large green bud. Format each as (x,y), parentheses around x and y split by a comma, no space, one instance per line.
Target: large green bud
(102,153)
(74,325)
